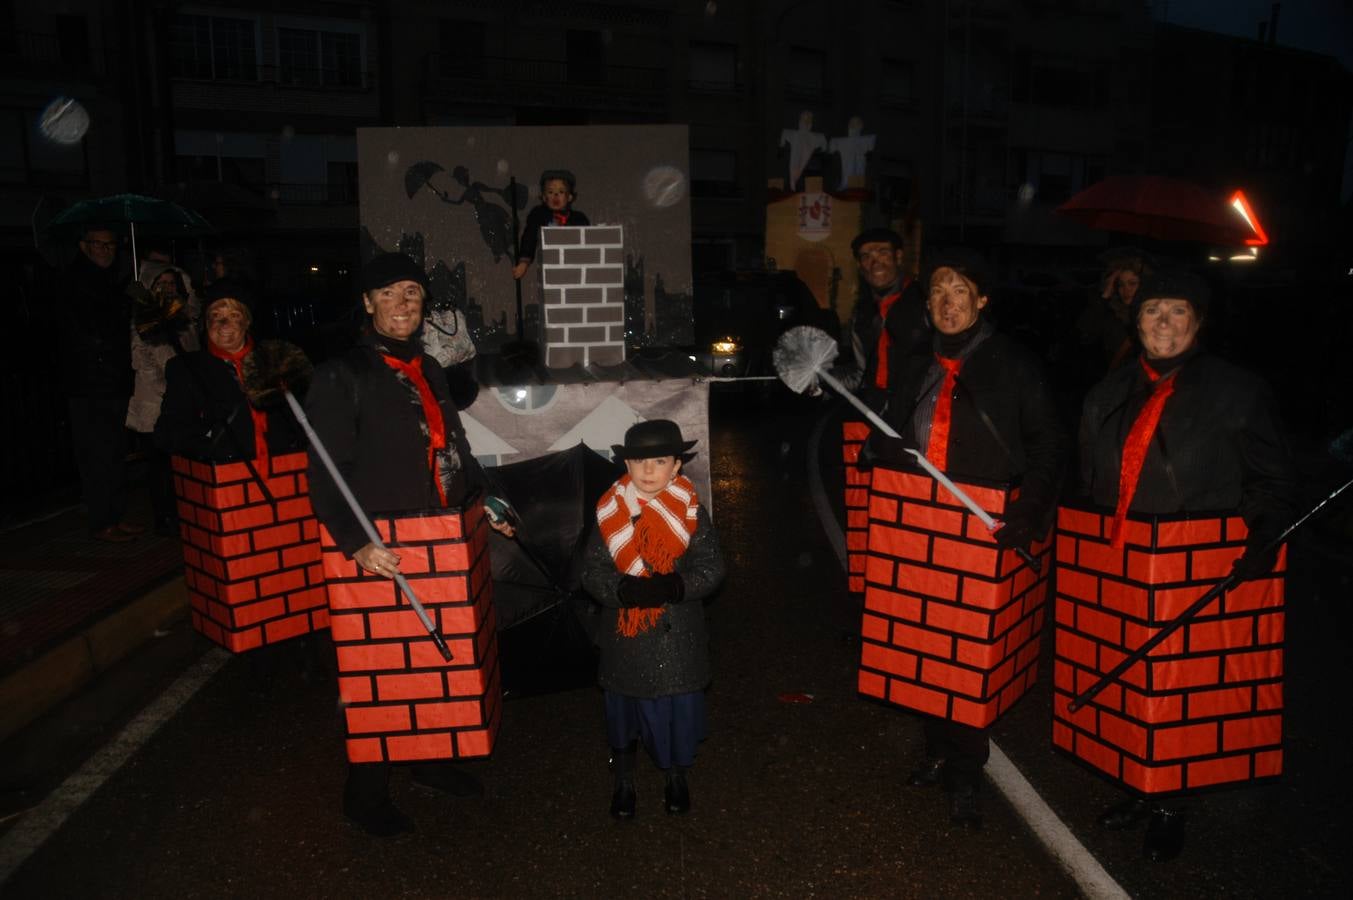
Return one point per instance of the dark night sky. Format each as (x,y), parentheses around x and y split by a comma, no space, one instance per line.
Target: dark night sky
(1325,26)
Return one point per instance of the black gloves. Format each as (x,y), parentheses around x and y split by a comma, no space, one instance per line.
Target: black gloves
(1021,527)
(1257,560)
(654,591)
(879,449)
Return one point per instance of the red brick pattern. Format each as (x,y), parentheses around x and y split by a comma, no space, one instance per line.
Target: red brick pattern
(1205,706)
(253,571)
(401,700)
(857,503)
(951,622)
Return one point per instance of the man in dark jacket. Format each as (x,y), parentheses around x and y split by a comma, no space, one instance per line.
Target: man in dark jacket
(890,321)
(386,416)
(97,376)
(978,405)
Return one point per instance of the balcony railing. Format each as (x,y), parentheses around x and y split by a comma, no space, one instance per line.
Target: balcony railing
(317,79)
(22,50)
(446,68)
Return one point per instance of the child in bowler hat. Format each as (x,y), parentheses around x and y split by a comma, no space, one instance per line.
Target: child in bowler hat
(652,560)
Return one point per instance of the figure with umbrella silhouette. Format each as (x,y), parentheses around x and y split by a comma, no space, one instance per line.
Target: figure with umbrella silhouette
(96,373)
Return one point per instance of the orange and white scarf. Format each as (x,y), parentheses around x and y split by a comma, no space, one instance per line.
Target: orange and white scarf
(646,537)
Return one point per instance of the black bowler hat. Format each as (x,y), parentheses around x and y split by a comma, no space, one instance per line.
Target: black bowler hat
(388,268)
(656,437)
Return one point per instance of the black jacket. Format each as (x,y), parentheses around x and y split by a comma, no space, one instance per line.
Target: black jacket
(1003,425)
(538,218)
(673,656)
(1217,449)
(372,429)
(96,347)
(204,414)
(908,326)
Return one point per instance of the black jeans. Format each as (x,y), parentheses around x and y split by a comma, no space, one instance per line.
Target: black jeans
(98,429)
(964,749)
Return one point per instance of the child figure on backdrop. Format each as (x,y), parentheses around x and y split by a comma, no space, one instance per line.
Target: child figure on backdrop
(652,560)
(557,193)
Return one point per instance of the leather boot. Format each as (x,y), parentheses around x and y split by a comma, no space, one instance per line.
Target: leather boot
(367,804)
(1164,834)
(623,796)
(965,809)
(677,793)
(447,779)
(1128,814)
(928,774)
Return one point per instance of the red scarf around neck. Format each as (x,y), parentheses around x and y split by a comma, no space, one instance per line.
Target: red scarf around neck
(937,447)
(560,218)
(259,417)
(432,413)
(1134,448)
(651,543)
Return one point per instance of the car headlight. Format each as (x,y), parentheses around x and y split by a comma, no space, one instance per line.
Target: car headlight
(726,346)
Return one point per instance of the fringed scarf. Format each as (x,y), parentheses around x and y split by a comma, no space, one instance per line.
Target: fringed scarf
(646,537)
(410,372)
(1134,448)
(260,418)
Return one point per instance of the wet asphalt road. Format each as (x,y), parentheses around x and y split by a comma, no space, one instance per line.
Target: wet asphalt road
(239,793)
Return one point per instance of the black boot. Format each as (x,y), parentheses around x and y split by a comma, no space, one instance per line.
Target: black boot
(965,809)
(928,774)
(677,794)
(1128,814)
(1164,834)
(623,797)
(366,801)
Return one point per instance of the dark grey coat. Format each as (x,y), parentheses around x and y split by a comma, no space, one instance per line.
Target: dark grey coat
(672,657)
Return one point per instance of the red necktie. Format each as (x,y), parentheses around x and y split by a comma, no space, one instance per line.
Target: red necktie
(1134,449)
(885,341)
(432,412)
(937,448)
(259,417)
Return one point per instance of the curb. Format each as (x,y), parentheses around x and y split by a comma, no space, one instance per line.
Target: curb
(62,671)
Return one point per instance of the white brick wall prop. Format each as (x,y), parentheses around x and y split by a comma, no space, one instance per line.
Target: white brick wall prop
(583,275)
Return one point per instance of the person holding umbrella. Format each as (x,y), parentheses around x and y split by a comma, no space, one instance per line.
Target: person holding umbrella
(978,405)
(385,414)
(1182,431)
(96,373)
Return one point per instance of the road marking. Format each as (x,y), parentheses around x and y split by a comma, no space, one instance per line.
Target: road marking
(40,823)
(1078,862)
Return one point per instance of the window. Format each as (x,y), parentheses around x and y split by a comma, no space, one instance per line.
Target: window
(26,156)
(461,44)
(1056,176)
(714,173)
(232,158)
(899,82)
(807,74)
(310,57)
(714,67)
(1065,83)
(213,47)
(342,182)
(72,36)
(13,160)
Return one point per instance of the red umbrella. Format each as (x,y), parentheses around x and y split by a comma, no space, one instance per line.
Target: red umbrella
(1167,209)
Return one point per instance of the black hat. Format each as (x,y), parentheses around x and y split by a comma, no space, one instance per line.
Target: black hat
(876,236)
(1173,284)
(388,268)
(966,262)
(656,437)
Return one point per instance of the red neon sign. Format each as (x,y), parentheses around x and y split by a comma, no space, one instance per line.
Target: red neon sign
(1242,206)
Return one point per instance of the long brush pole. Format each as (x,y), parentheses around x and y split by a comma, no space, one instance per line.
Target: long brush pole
(370,529)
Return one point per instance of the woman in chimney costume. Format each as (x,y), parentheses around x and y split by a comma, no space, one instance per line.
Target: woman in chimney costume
(386,415)
(205,414)
(1182,431)
(977,403)
(652,560)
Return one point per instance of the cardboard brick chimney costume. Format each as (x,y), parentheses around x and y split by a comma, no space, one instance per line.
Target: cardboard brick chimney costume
(583,271)
(402,701)
(951,621)
(253,571)
(853,435)
(1205,707)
